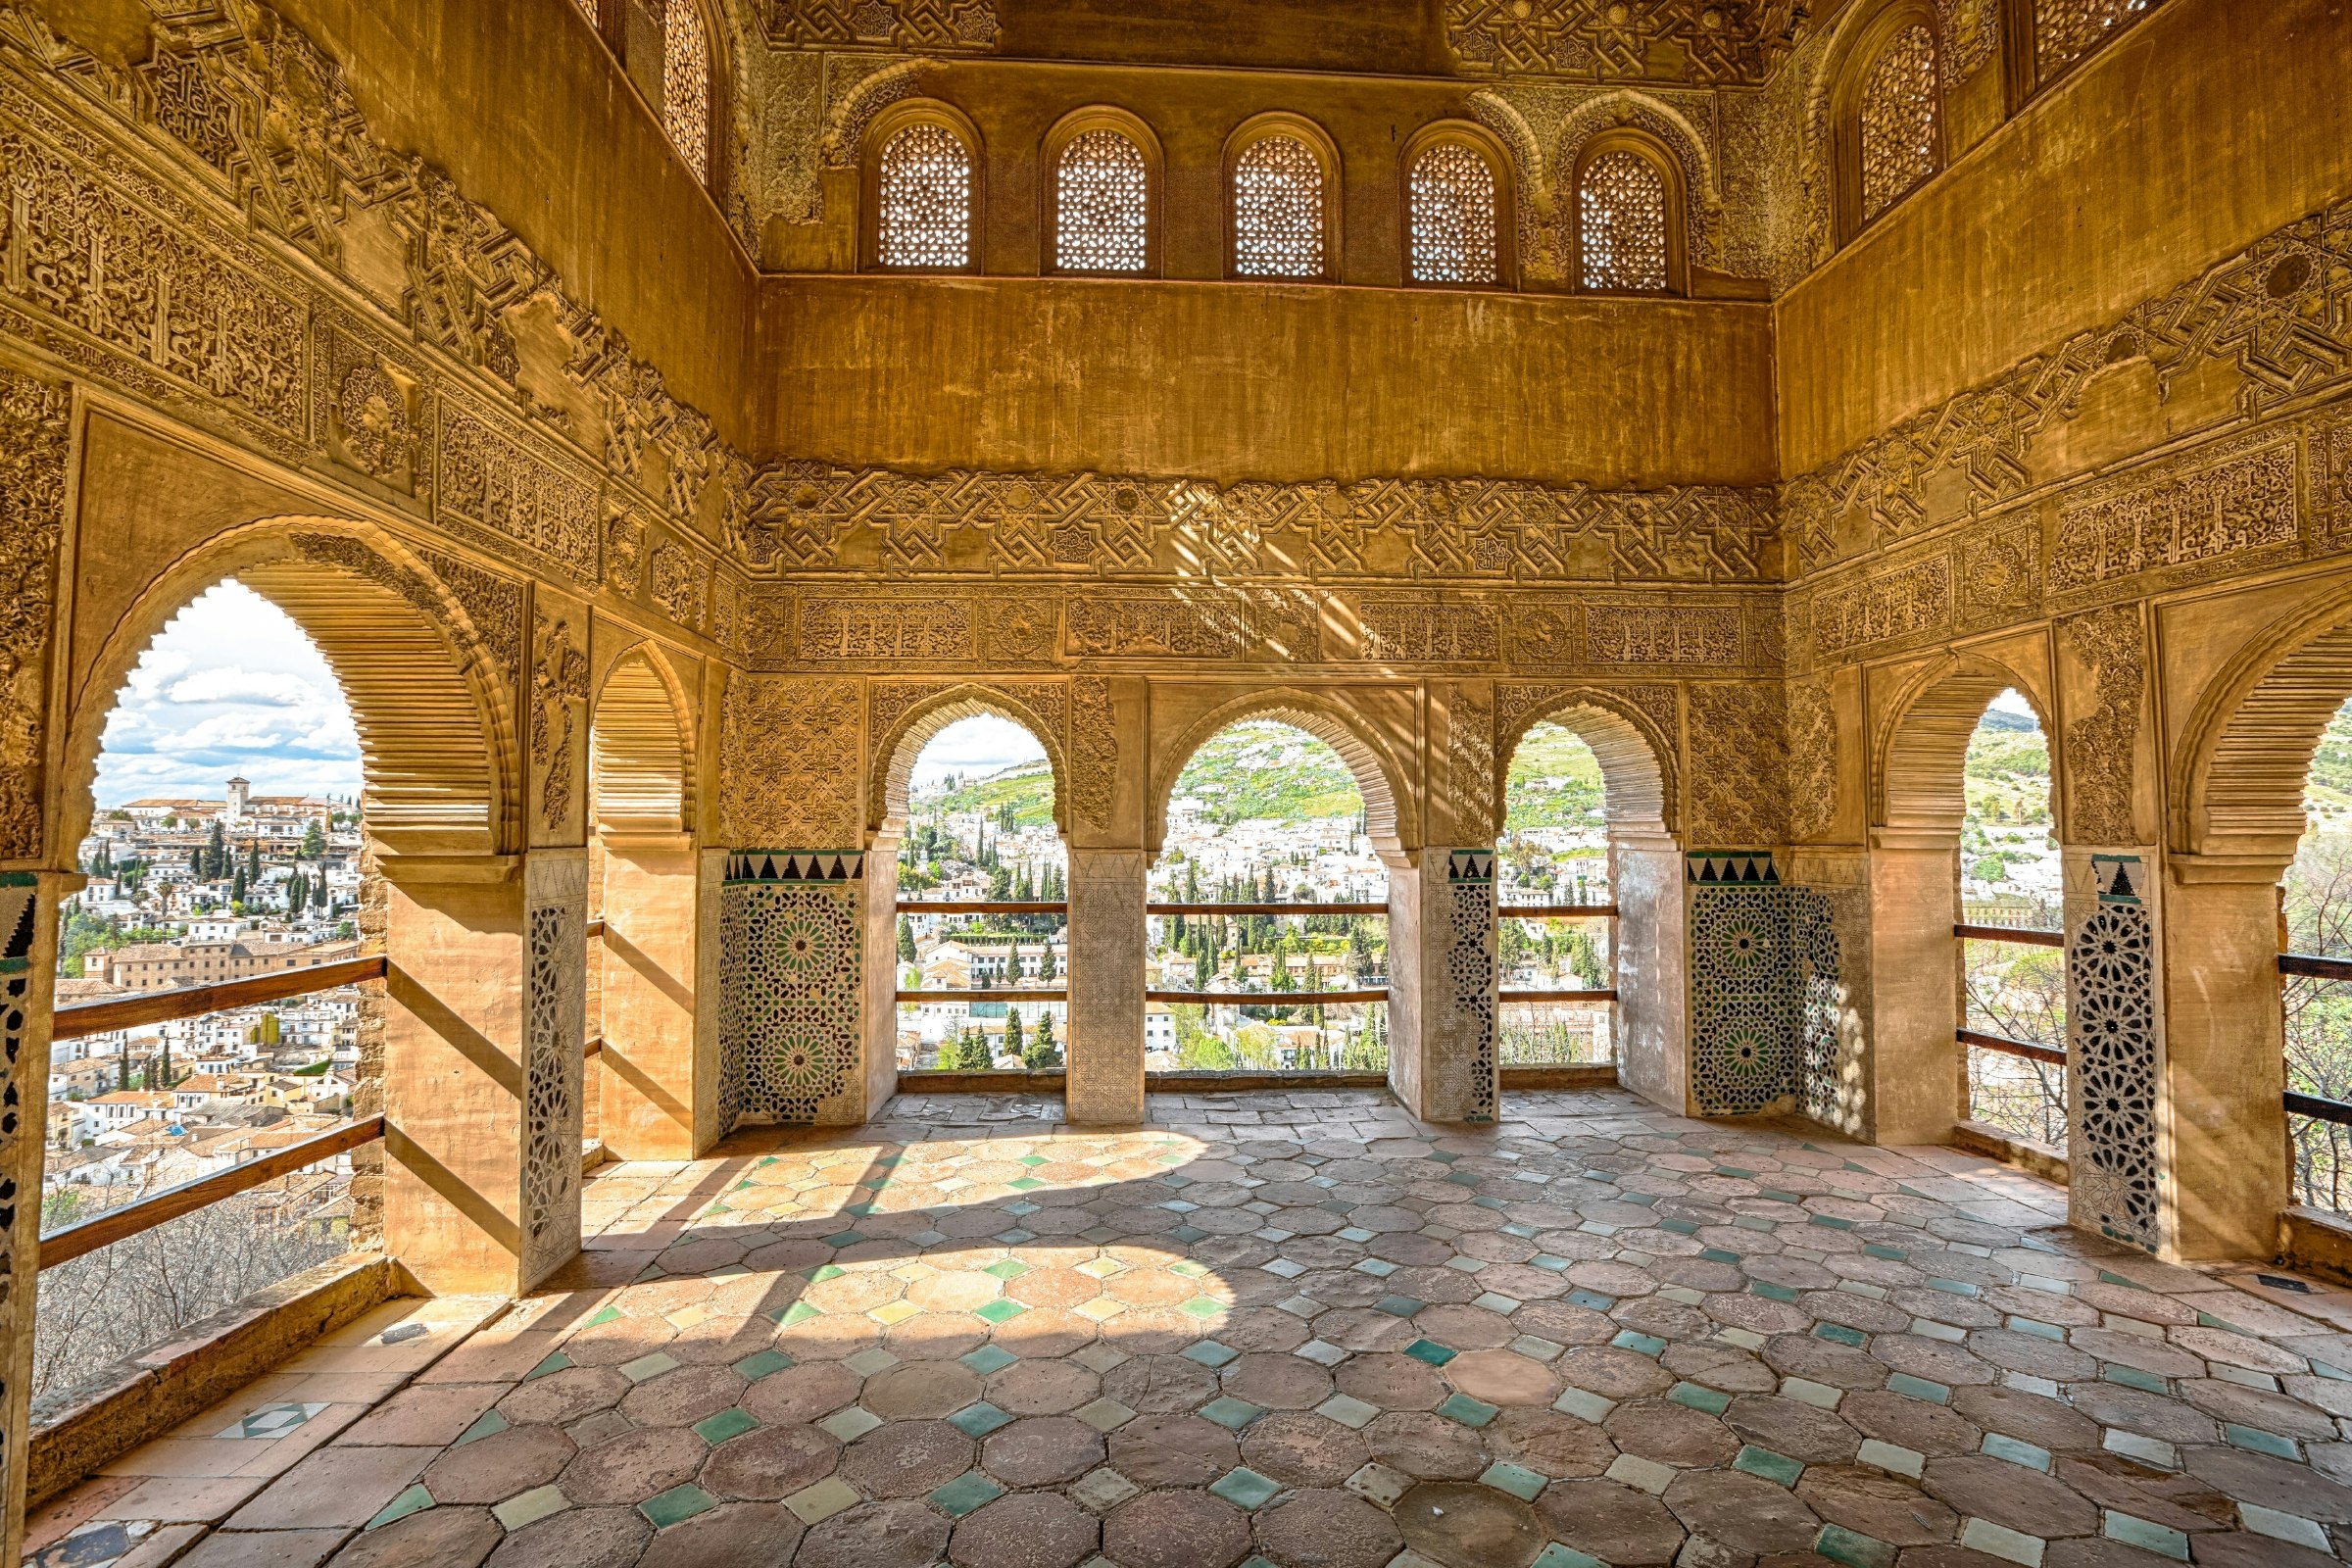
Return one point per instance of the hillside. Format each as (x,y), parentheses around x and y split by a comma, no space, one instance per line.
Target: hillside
(1027,787)
(2330,789)
(1554,781)
(1269,771)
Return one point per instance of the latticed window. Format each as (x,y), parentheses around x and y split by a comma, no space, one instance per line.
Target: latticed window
(685,82)
(1453,195)
(2065,31)
(1899,118)
(1100,205)
(1621,220)
(925,199)
(589,6)
(1278,210)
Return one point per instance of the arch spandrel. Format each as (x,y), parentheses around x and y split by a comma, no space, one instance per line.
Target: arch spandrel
(1921,745)
(2238,770)
(1393,812)
(900,737)
(1635,755)
(408,652)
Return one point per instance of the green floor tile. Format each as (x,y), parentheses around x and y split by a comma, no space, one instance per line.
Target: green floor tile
(677,1503)
(1525,1485)
(1245,1488)
(488,1425)
(416,1499)
(763,1363)
(1468,1411)
(966,1492)
(1712,1401)
(1778,1469)
(1431,1351)
(978,1420)
(1227,1412)
(729,1423)
(988,1358)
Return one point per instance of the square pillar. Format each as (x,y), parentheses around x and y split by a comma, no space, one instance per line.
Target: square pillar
(484,1023)
(793,992)
(2223,1062)
(1442,985)
(1914,994)
(28,902)
(1104,1047)
(656,1076)
(1652,1011)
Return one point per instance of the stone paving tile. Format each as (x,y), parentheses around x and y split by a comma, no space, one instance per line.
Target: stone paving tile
(1293,1329)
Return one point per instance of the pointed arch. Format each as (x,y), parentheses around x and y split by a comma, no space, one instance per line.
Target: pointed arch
(1917,771)
(900,746)
(640,748)
(1389,815)
(2239,773)
(409,656)
(1635,772)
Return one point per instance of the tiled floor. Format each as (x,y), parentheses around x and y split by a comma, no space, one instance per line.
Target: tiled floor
(1298,1329)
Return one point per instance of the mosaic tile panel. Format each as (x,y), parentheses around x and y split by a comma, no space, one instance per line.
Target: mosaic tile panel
(790,948)
(1744,984)
(1470,969)
(554,1036)
(2115,1058)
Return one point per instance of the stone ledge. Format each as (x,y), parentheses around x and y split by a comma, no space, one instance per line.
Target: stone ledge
(2037,1160)
(2318,1241)
(1053,1081)
(76,1431)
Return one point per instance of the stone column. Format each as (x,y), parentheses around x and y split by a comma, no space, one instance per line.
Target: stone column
(1104,1047)
(1652,1033)
(881,1071)
(1915,994)
(2224,1058)
(484,1018)
(657,1091)
(27,964)
(1442,985)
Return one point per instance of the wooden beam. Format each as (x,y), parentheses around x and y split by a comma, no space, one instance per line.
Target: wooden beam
(1267,998)
(119,1224)
(1266,909)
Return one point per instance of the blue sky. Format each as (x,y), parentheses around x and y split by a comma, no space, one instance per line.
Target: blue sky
(230,686)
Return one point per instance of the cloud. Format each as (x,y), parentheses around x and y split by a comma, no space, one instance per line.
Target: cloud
(983,744)
(231,686)
(234,683)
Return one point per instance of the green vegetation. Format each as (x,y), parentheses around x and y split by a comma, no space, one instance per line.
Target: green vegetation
(1554,781)
(2330,784)
(1269,771)
(2007,771)
(1019,796)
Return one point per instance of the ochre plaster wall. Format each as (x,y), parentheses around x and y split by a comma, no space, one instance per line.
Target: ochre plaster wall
(1229,381)
(531,116)
(2209,125)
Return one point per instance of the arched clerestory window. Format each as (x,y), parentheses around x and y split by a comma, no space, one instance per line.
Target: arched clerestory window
(1282,180)
(2058,36)
(1102,194)
(923,189)
(1628,215)
(1458,209)
(1888,105)
(595,16)
(689,95)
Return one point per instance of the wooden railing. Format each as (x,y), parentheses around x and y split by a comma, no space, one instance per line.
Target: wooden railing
(2313,967)
(982,907)
(2012,1048)
(87,1019)
(983,994)
(1605,993)
(2023,936)
(1268,998)
(146,1213)
(1557,911)
(1380,908)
